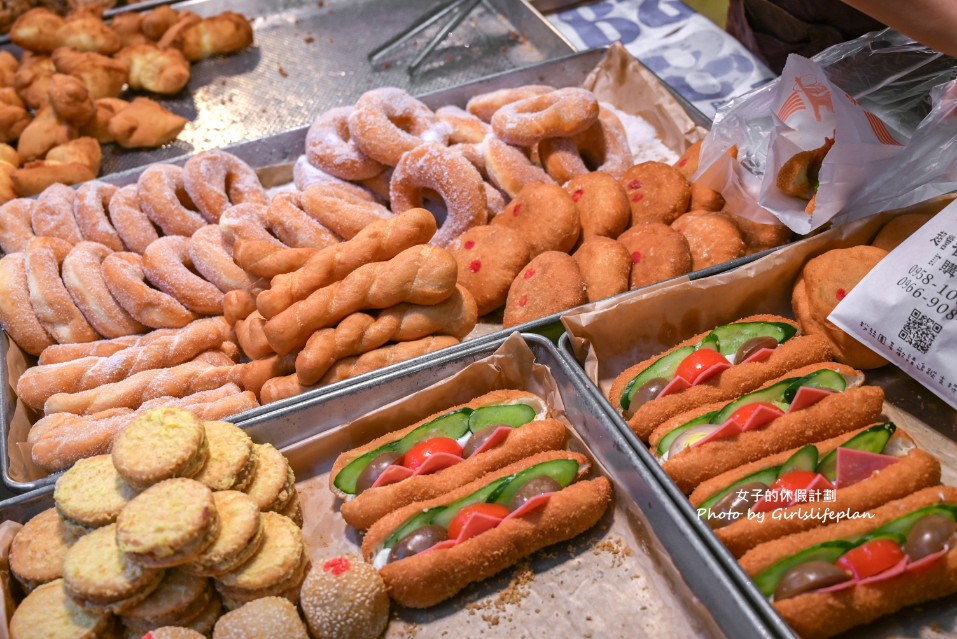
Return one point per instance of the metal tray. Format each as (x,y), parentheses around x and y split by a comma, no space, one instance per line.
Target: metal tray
(635,487)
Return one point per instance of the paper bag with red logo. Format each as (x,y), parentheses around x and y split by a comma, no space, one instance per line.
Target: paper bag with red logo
(809,153)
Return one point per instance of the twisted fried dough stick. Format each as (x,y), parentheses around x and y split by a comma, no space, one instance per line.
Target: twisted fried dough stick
(106,347)
(360,333)
(37,384)
(266,259)
(422,274)
(288,386)
(380,241)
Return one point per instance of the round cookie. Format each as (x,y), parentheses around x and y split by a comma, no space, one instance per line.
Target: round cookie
(267,617)
(231,462)
(38,549)
(240,535)
(656,192)
(712,237)
(550,283)
(605,266)
(173,632)
(273,484)
(203,622)
(49,612)
(160,444)
(168,524)
(602,204)
(345,598)
(178,596)
(293,509)
(489,258)
(280,563)
(545,215)
(658,253)
(97,572)
(899,229)
(759,236)
(91,494)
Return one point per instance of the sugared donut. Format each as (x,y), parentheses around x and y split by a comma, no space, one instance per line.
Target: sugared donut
(16,225)
(212,259)
(601,147)
(83,278)
(759,236)
(51,302)
(605,266)
(550,283)
(561,113)
(489,258)
(305,175)
(713,238)
(216,180)
(452,177)
(340,210)
(131,223)
(287,219)
(658,252)
(53,214)
(485,105)
(545,215)
(465,127)
(329,146)
(345,598)
(509,169)
(89,209)
(656,192)
(162,197)
(378,186)
(474,153)
(494,200)
(602,204)
(168,267)
(16,312)
(388,122)
(245,221)
(126,280)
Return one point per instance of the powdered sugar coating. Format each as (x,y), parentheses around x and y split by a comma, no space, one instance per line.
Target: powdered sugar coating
(215,180)
(89,209)
(16,313)
(509,169)
(330,147)
(130,222)
(51,302)
(53,214)
(83,279)
(214,261)
(167,265)
(388,122)
(561,113)
(16,227)
(485,105)
(164,200)
(126,280)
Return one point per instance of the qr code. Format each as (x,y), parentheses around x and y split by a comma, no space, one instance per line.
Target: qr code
(920,331)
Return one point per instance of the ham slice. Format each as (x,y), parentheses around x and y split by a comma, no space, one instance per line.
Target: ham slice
(498,436)
(432,464)
(807,396)
(760,355)
(854,466)
(477,523)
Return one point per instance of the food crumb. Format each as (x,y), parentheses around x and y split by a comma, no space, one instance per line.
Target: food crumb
(587,617)
(411,629)
(310,40)
(616,548)
(283,72)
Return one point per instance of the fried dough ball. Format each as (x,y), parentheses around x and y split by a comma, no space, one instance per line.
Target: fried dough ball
(85,151)
(656,192)
(87,32)
(8,68)
(129,27)
(545,215)
(605,265)
(602,204)
(489,258)
(899,229)
(658,252)
(156,22)
(8,190)
(13,120)
(45,132)
(37,30)
(32,80)
(9,155)
(163,71)
(97,127)
(550,283)
(145,124)
(104,77)
(713,238)
(225,33)
(70,99)
(759,236)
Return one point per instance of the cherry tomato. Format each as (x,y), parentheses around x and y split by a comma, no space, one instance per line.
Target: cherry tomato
(743,414)
(494,510)
(700,360)
(871,558)
(782,490)
(417,455)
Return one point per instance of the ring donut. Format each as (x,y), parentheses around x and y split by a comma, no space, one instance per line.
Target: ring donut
(465,127)
(305,175)
(51,301)
(561,113)
(449,174)
(388,122)
(216,180)
(245,221)
(485,105)
(53,214)
(341,210)
(131,223)
(16,312)
(169,268)
(207,250)
(602,147)
(330,147)
(16,225)
(126,280)
(509,169)
(162,196)
(83,279)
(89,209)
(287,219)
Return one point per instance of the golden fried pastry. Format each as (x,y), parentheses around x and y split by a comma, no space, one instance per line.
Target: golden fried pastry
(602,204)
(8,68)
(32,80)
(9,155)
(45,132)
(70,99)
(36,30)
(550,283)
(13,120)
(104,77)
(129,27)
(656,192)
(8,96)
(899,229)
(713,238)
(702,198)
(34,177)
(8,190)
(545,215)
(225,33)
(85,151)
(145,124)
(605,266)
(658,252)
(98,126)
(173,35)
(86,31)
(163,71)
(759,236)
(489,258)
(798,176)
(156,22)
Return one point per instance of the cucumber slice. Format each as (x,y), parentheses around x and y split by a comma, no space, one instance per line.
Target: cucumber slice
(422,519)
(514,415)
(872,440)
(663,367)
(766,477)
(772,394)
(824,378)
(767,581)
(728,339)
(563,471)
(804,459)
(453,425)
(480,496)
(668,439)
(902,525)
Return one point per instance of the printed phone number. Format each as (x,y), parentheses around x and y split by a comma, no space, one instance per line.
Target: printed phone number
(938,298)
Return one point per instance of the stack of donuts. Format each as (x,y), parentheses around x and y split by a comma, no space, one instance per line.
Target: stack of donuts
(544,207)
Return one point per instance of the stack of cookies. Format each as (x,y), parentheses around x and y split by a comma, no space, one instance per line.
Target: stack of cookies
(183,517)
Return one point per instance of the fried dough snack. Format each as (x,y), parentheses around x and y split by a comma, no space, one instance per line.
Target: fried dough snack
(85,31)
(145,124)
(32,79)
(98,126)
(45,132)
(156,22)
(13,121)
(34,177)
(8,68)
(163,71)
(104,77)
(225,33)
(37,30)
(83,151)
(70,99)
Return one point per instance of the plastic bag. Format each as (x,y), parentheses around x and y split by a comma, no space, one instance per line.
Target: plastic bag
(887,102)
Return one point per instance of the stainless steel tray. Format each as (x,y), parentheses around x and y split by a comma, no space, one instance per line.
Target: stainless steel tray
(634,484)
